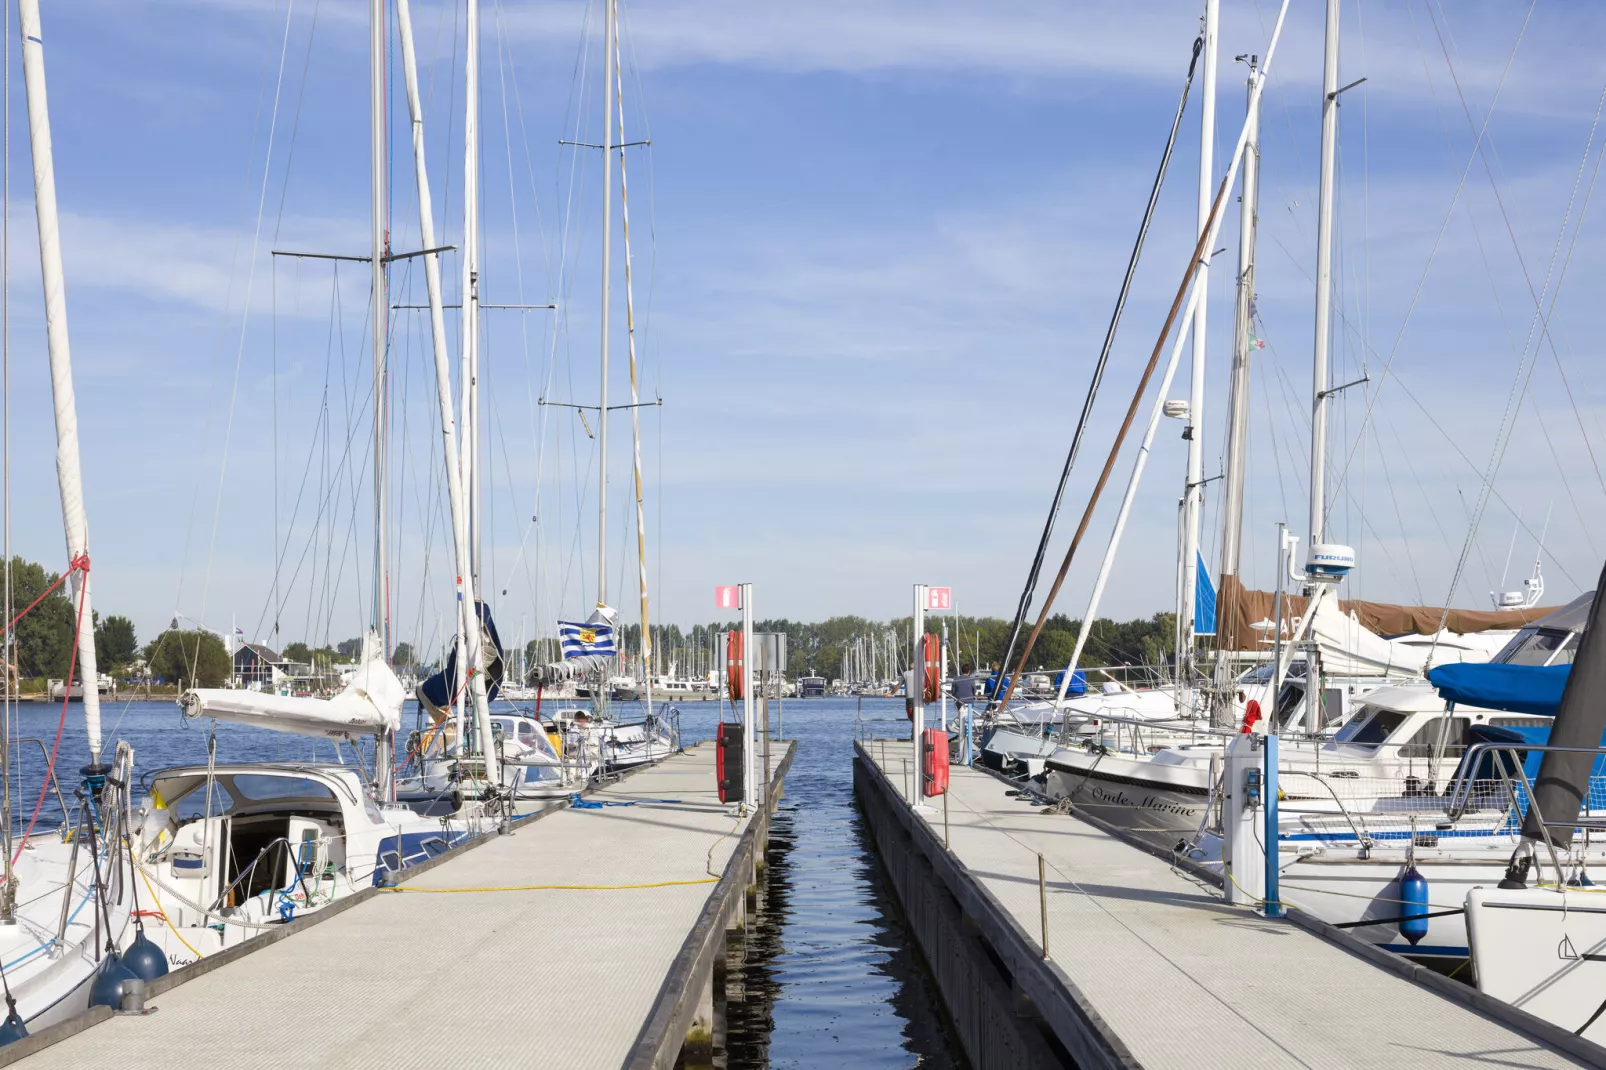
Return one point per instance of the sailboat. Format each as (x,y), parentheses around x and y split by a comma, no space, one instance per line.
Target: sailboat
(621,745)
(1147,761)
(67,901)
(230,849)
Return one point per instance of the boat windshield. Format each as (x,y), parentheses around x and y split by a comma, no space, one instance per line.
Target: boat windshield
(1370,724)
(1538,646)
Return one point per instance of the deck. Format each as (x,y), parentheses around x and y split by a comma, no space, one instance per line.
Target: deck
(1146,965)
(450,971)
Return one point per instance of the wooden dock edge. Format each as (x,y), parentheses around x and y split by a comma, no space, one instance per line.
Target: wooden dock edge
(1031,1014)
(55,1034)
(1537,1028)
(691,974)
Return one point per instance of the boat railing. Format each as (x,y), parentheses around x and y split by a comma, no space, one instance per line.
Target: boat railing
(54,786)
(865,730)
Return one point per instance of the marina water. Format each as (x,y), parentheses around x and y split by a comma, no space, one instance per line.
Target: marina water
(829,977)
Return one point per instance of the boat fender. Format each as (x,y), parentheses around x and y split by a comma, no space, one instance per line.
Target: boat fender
(107,991)
(1413,901)
(144,958)
(12,1029)
(1517,871)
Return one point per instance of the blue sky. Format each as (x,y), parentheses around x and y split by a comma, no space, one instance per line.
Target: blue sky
(876,246)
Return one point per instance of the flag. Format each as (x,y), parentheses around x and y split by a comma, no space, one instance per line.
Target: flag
(581,640)
(1204,600)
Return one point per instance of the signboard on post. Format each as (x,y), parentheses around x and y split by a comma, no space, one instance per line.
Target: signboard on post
(939,598)
(727,598)
(769,648)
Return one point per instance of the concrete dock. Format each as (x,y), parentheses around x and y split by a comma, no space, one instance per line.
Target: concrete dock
(1146,965)
(477,960)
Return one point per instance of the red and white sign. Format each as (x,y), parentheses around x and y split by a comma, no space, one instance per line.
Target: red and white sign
(939,598)
(727,598)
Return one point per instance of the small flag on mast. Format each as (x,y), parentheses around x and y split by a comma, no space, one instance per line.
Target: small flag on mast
(581,640)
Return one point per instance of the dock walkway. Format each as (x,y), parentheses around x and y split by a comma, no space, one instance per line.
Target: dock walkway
(599,975)
(1147,966)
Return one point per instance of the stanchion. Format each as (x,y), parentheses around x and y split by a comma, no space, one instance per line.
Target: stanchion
(1042,901)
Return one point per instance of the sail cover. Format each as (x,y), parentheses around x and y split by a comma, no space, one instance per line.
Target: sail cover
(439,692)
(1349,648)
(371,703)
(1514,688)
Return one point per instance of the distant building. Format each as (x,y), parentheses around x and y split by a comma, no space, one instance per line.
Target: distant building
(257,666)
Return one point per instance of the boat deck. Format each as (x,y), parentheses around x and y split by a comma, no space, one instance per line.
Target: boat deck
(477,975)
(1155,969)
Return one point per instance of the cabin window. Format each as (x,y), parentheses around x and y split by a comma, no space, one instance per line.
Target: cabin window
(1452,731)
(258,787)
(1370,725)
(193,805)
(1538,646)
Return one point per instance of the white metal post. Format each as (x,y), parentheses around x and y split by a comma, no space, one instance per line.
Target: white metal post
(942,674)
(748,794)
(917,686)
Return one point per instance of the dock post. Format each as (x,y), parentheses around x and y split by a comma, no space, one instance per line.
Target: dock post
(908,792)
(945,820)
(1042,901)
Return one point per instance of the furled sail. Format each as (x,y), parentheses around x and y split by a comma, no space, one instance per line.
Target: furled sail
(1241,614)
(437,693)
(371,703)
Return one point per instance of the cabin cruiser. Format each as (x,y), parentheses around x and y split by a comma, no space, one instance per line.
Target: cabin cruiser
(225,853)
(1159,791)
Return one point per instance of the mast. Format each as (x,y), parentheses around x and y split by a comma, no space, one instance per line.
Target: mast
(470,457)
(1193,495)
(1242,352)
(607,271)
(468,637)
(69,471)
(1324,280)
(381,317)
(635,388)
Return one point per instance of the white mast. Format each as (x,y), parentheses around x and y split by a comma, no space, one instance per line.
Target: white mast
(471,389)
(1193,495)
(468,636)
(1243,331)
(1195,297)
(635,388)
(69,472)
(381,316)
(1324,280)
(607,271)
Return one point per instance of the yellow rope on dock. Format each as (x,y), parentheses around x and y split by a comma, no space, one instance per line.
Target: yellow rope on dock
(557,887)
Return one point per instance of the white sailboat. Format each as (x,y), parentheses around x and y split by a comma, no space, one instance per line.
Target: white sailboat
(229,849)
(622,745)
(66,902)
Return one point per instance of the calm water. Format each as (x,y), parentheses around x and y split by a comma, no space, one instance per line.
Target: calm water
(829,977)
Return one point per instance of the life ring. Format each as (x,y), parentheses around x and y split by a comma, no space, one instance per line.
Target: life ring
(1251,716)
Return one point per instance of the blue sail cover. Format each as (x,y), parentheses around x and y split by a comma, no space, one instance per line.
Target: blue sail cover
(1204,600)
(437,692)
(1515,688)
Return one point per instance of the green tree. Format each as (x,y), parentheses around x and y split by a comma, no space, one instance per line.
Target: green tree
(350,648)
(115,642)
(198,658)
(300,653)
(44,638)
(403,655)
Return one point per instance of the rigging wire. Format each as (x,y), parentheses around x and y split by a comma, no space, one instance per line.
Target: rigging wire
(1099,367)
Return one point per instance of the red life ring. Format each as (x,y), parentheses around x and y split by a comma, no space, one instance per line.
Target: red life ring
(1251,716)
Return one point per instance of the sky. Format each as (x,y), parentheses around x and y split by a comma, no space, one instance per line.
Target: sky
(874,249)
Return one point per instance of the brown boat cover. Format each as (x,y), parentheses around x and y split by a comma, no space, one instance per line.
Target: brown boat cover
(1238,610)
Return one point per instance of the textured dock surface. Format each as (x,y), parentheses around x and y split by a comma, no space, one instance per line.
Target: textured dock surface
(1179,977)
(547,978)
